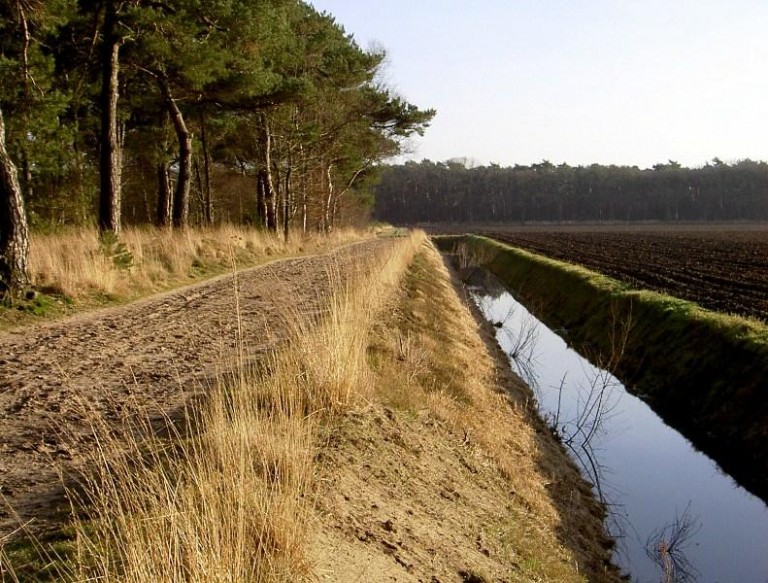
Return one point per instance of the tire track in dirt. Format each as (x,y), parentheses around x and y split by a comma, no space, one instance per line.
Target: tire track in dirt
(150,355)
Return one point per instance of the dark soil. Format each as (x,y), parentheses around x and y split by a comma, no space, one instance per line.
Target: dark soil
(721,270)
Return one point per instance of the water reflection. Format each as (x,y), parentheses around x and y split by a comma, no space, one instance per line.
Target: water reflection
(667,547)
(678,516)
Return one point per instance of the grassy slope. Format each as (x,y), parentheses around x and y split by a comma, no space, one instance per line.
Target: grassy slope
(446,474)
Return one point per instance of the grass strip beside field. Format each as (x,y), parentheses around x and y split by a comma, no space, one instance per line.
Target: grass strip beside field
(703,371)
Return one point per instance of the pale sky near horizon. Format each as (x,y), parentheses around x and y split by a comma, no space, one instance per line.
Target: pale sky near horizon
(632,82)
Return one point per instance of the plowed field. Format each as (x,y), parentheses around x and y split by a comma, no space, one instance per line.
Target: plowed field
(722,270)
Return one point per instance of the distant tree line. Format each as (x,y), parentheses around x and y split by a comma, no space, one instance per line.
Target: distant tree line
(451,192)
(178,112)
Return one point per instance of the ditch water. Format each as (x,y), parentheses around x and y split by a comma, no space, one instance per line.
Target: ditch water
(659,489)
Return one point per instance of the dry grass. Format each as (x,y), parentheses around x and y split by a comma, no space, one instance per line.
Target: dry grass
(452,375)
(78,265)
(431,360)
(221,503)
(225,497)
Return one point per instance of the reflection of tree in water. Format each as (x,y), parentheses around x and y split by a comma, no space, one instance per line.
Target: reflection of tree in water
(521,342)
(666,547)
(584,424)
(581,425)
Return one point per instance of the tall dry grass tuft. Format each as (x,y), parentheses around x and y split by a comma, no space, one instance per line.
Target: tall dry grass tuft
(225,498)
(77,264)
(221,502)
(71,263)
(329,365)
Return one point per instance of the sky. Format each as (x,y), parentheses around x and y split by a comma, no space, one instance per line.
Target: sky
(634,82)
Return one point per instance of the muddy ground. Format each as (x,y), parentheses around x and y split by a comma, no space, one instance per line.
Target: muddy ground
(149,356)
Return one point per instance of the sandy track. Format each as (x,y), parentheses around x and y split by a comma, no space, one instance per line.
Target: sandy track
(154,353)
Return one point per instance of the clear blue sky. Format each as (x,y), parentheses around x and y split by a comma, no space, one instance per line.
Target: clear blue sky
(577,81)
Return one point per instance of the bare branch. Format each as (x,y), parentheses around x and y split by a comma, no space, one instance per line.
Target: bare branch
(666,547)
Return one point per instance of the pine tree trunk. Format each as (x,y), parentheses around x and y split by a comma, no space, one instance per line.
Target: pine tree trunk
(327,224)
(14,233)
(207,195)
(200,191)
(184,137)
(26,166)
(261,198)
(303,178)
(287,204)
(26,176)
(334,212)
(163,195)
(110,162)
(277,182)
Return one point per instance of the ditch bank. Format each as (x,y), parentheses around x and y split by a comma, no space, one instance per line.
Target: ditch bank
(703,372)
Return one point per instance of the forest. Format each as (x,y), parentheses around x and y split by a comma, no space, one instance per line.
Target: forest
(186,112)
(452,192)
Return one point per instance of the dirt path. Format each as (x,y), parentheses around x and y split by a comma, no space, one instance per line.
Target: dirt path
(153,353)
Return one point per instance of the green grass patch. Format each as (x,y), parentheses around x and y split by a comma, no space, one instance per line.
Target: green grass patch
(45,560)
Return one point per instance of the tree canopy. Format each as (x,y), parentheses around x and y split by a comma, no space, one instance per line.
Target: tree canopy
(267,97)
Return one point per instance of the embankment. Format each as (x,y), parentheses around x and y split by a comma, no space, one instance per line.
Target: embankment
(702,371)
(446,473)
